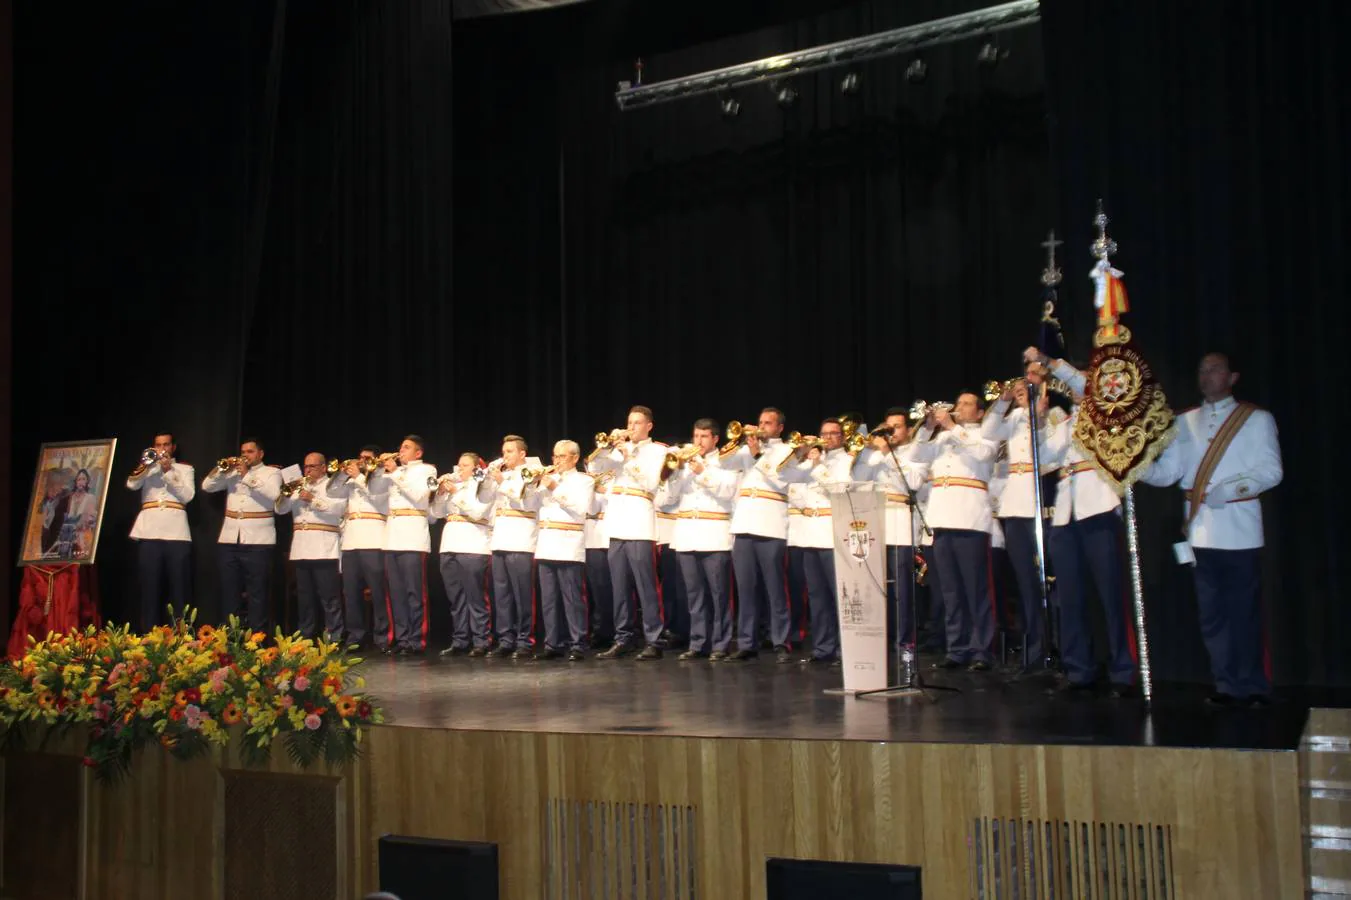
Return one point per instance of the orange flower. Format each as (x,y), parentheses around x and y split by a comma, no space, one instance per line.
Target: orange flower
(332,686)
(231,714)
(346,706)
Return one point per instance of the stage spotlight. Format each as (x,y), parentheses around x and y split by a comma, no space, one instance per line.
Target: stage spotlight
(849,84)
(784,95)
(989,54)
(917,71)
(730,107)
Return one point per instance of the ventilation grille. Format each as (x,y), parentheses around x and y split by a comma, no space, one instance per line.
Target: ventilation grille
(281,836)
(1035,859)
(618,851)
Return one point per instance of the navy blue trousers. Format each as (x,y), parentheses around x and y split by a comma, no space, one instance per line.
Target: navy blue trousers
(465,576)
(1020,535)
(514,598)
(674,604)
(963,558)
(900,589)
(935,630)
(797,592)
(318,593)
(818,566)
(562,604)
(633,567)
(166,579)
(708,586)
(760,566)
(365,570)
(246,567)
(1228,599)
(600,594)
(407,573)
(1084,549)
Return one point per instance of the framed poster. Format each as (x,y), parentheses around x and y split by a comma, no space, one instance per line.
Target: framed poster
(65,513)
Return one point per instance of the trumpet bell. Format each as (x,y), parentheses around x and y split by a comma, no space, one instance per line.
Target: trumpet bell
(333,467)
(149,456)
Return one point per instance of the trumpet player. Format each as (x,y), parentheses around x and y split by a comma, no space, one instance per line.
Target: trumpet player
(892,461)
(316,520)
(248,534)
(564,499)
(1016,509)
(825,465)
(363,551)
(406,493)
(959,511)
(759,537)
(515,531)
(465,551)
(630,521)
(702,543)
(163,540)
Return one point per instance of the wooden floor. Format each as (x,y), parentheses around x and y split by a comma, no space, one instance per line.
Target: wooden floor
(610,812)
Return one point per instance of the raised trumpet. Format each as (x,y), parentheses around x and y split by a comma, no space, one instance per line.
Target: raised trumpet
(677,457)
(605,440)
(533,476)
(294,487)
(993,390)
(736,433)
(799,441)
(228,463)
(149,456)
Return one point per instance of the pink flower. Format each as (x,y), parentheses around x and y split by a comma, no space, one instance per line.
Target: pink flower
(312,721)
(287,702)
(218,679)
(302,683)
(194,716)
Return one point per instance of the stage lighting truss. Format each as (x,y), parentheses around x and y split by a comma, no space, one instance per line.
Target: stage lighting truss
(852,52)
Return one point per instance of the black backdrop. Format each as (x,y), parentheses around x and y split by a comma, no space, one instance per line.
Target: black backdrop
(242,221)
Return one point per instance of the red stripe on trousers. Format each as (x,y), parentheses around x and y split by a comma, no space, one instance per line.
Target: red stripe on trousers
(661,601)
(423,637)
(534,573)
(389,606)
(788,593)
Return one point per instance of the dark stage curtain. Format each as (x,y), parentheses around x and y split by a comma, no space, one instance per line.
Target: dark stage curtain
(1218,134)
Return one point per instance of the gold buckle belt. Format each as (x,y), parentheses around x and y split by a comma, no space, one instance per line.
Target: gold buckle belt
(314,526)
(365,515)
(952,481)
(811,512)
(516,513)
(456,517)
(1020,468)
(562,526)
(704,514)
(1082,465)
(632,492)
(762,495)
(162,504)
(407,512)
(235,514)
(596,517)
(903,499)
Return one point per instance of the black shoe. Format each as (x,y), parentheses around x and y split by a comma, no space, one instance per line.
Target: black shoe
(979,665)
(576,656)
(664,640)
(1073,688)
(948,663)
(717,656)
(1220,698)
(406,652)
(478,653)
(1258,701)
(689,655)
(500,652)
(1122,691)
(615,652)
(550,654)
(453,651)
(651,651)
(766,644)
(820,661)
(742,655)
(388,651)
(523,653)
(781,655)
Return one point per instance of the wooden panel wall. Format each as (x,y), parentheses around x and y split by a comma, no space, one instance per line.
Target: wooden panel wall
(1232,817)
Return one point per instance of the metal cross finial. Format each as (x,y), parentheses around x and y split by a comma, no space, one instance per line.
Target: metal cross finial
(1050,276)
(1104,246)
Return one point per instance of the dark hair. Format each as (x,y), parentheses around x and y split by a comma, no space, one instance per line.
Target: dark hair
(415,439)
(706,424)
(642,410)
(896,411)
(831,420)
(173,439)
(252,440)
(783,420)
(373,448)
(1230,360)
(980,399)
(517,439)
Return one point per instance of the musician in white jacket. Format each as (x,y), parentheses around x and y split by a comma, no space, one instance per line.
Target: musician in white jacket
(164,543)
(316,520)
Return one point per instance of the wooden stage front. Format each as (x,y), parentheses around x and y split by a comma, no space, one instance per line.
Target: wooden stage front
(678,780)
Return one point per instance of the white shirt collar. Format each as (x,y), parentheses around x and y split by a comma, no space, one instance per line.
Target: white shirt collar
(1220,406)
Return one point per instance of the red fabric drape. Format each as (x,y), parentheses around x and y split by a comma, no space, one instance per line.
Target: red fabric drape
(56,598)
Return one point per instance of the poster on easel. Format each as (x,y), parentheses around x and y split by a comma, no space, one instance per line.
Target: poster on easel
(65,512)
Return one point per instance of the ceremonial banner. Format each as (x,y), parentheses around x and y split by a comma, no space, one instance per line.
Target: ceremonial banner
(1124,420)
(859,519)
(66,509)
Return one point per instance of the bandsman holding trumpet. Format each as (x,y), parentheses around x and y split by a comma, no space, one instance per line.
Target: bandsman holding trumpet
(631,522)
(248,534)
(363,550)
(702,541)
(959,511)
(760,534)
(465,551)
(316,520)
(164,542)
(406,489)
(515,531)
(564,498)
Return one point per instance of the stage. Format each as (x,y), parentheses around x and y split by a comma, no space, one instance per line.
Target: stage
(677,780)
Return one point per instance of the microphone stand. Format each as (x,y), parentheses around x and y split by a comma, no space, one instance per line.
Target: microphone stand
(914,681)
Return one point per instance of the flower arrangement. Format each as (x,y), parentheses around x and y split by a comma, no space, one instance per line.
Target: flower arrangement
(190,689)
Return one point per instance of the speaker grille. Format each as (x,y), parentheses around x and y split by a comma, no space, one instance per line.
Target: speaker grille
(1037,859)
(619,850)
(281,836)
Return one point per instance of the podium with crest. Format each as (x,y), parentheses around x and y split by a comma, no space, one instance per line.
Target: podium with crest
(858,516)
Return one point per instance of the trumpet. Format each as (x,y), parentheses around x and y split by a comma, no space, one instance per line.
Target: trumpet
(736,433)
(993,389)
(294,487)
(228,463)
(605,441)
(600,478)
(677,457)
(149,456)
(533,476)
(333,468)
(799,442)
